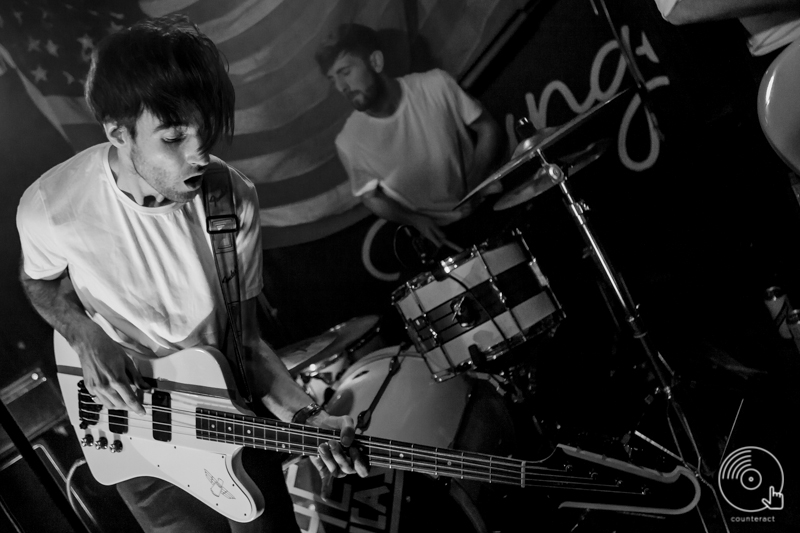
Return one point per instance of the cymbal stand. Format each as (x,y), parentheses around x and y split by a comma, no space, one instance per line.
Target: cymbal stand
(620,294)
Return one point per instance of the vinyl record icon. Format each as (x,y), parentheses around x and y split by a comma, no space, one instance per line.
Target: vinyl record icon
(746,476)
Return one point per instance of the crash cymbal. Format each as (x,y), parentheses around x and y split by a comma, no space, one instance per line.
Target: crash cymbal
(543,180)
(301,355)
(531,147)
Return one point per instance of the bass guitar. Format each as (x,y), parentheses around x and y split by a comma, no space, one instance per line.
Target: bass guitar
(194,430)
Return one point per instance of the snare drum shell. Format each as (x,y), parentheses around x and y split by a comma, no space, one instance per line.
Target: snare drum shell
(509,298)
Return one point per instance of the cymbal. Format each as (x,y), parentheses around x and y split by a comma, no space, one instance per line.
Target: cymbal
(543,180)
(539,141)
(305,353)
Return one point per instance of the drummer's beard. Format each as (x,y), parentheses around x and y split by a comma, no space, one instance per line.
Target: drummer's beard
(364,100)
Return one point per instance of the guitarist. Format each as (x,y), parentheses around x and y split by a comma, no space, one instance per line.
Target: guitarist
(115,254)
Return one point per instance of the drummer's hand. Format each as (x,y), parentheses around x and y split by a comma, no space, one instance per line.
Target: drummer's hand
(430,230)
(337,458)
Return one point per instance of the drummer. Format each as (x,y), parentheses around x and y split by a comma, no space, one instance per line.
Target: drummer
(415,145)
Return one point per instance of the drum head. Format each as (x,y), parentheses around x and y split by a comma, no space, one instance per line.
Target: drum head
(413,408)
(322,350)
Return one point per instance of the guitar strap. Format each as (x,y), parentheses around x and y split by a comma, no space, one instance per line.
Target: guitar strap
(222,224)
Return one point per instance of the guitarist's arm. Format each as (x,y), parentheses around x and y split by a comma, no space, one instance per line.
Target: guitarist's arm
(105,366)
(284,397)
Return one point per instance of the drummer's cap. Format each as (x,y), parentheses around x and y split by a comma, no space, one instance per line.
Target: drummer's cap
(353,39)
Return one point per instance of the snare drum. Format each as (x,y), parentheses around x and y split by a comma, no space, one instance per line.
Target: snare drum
(477,306)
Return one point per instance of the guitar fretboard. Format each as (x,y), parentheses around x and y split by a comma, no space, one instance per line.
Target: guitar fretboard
(275,435)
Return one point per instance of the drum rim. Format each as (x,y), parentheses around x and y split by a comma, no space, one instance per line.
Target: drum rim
(457,261)
(453,262)
(390,351)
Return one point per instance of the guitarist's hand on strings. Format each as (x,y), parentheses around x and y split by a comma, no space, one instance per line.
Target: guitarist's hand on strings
(108,373)
(338,458)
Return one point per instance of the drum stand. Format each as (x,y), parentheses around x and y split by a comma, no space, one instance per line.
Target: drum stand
(629,310)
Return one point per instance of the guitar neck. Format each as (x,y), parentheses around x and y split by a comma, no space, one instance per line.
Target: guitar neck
(255,432)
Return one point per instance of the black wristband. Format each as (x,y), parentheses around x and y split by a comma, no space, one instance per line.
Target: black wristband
(306,412)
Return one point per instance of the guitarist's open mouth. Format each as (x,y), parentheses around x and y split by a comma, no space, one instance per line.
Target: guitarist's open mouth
(194,182)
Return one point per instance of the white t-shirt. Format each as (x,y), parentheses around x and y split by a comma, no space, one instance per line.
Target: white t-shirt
(420,154)
(145,274)
(760,43)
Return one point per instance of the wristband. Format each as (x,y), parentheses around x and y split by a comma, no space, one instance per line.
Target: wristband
(306,412)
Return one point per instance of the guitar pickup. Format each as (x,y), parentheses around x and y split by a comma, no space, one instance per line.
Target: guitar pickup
(162,416)
(118,421)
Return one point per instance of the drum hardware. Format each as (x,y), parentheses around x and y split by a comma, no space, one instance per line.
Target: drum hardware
(365,417)
(613,282)
(317,363)
(545,178)
(633,68)
(529,149)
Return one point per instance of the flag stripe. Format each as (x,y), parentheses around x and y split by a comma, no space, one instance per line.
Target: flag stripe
(327,176)
(286,106)
(82,136)
(235,21)
(71,109)
(292,161)
(277,38)
(158,8)
(334,201)
(279,236)
(322,117)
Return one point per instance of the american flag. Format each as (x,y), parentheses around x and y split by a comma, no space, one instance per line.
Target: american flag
(287,114)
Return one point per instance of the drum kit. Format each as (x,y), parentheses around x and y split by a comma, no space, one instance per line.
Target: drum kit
(466,320)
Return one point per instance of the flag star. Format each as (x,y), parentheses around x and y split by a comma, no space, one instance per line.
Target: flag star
(52,48)
(86,42)
(18,16)
(118,16)
(45,14)
(70,77)
(2,22)
(114,27)
(33,44)
(39,74)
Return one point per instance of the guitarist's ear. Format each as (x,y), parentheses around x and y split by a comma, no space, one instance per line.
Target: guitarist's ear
(117,134)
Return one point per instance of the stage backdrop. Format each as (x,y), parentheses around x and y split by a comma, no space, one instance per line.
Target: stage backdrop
(660,196)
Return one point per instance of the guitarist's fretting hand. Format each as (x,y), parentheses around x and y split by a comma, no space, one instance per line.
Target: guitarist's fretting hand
(108,373)
(338,458)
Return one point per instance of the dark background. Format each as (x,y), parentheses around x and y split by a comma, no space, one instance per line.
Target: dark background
(698,236)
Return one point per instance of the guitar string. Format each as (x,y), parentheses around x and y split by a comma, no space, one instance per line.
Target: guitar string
(513,478)
(476,459)
(306,432)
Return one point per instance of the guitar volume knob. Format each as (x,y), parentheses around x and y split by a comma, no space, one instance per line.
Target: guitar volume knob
(115,447)
(87,440)
(101,444)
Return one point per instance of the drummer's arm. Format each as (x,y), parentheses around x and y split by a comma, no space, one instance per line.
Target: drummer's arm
(385,207)
(487,149)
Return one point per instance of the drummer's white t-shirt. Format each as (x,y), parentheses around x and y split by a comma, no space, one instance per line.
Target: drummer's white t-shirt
(420,154)
(146,275)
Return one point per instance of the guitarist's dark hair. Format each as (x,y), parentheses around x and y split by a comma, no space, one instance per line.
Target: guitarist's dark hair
(167,67)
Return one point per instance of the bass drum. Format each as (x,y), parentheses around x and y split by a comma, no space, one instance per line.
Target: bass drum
(463,413)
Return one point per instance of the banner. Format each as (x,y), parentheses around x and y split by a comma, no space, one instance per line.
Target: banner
(287,113)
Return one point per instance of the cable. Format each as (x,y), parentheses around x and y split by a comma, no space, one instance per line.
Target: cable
(68,486)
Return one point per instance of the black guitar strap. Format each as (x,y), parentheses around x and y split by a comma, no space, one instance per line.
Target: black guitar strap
(222,224)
